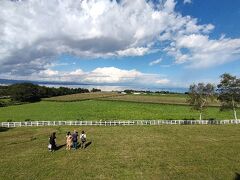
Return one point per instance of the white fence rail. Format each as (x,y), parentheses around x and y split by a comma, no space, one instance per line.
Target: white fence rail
(116,123)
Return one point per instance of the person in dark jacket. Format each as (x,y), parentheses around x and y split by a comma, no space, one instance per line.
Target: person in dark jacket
(75,139)
(52,142)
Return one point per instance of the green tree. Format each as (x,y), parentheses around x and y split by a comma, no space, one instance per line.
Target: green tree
(25,92)
(199,96)
(95,90)
(229,93)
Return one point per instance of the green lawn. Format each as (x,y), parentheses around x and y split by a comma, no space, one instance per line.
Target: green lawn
(157,98)
(82,96)
(104,110)
(136,152)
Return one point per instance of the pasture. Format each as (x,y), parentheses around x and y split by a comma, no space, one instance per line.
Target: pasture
(82,96)
(146,152)
(178,99)
(104,110)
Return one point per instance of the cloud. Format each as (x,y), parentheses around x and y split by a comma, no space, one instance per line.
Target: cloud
(105,75)
(112,75)
(133,51)
(37,31)
(34,32)
(155,62)
(187,1)
(198,51)
(163,81)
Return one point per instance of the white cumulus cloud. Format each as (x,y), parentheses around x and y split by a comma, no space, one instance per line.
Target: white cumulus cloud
(155,62)
(198,51)
(103,75)
(34,32)
(187,1)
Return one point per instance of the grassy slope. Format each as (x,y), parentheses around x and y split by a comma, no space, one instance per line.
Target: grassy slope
(145,98)
(105,110)
(157,98)
(82,96)
(160,152)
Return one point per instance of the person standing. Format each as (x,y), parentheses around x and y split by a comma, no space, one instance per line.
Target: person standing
(83,138)
(75,139)
(52,142)
(69,141)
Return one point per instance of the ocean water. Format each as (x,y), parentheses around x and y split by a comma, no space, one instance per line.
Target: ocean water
(120,88)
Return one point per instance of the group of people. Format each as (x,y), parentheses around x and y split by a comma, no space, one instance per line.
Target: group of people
(71,140)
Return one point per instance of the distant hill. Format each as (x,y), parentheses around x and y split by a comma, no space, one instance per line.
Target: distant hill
(12,81)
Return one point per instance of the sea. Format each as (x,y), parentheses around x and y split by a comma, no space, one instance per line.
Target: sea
(109,88)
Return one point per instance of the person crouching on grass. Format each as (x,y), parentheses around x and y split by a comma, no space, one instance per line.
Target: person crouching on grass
(83,138)
(75,139)
(69,141)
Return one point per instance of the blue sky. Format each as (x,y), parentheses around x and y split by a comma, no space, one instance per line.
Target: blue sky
(146,43)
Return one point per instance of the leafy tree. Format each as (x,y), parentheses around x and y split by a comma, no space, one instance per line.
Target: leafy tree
(229,93)
(4,91)
(25,92)
(199,96)
(95,90)
(2,104)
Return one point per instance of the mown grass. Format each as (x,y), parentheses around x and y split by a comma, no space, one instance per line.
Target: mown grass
(136,152)
(82,96)
(180,99)
(105,110)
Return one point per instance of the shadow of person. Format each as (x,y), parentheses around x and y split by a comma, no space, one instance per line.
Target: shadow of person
(60,146)
(237,176)
(3,129)
(87,144)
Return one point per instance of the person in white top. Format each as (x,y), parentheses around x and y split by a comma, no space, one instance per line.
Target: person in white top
(69,141)
(83,138)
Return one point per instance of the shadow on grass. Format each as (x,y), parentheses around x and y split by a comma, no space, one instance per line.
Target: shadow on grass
(60,146)
(86,145)
(3,129)
(237,176)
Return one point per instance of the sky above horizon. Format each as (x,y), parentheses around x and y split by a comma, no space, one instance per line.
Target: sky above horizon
(153,43)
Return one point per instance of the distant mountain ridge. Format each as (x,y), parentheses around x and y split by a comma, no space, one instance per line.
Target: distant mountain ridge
(13,81)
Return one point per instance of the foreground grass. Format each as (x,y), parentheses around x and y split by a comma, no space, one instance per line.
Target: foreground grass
(146,152)
(104,110)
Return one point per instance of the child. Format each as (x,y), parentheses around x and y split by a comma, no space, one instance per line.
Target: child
(83,139)
(52,142)
(69,140)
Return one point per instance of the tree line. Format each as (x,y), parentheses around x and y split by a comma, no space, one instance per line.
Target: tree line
(227,93)
(28,92)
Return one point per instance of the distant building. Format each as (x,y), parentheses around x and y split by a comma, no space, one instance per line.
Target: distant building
(136,93)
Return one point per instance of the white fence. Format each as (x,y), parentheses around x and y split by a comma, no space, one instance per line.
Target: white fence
(116,123)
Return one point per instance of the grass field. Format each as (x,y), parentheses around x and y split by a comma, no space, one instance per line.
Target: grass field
(180,99)
(146,152)
(82,96)
(163,99)
(105,110)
